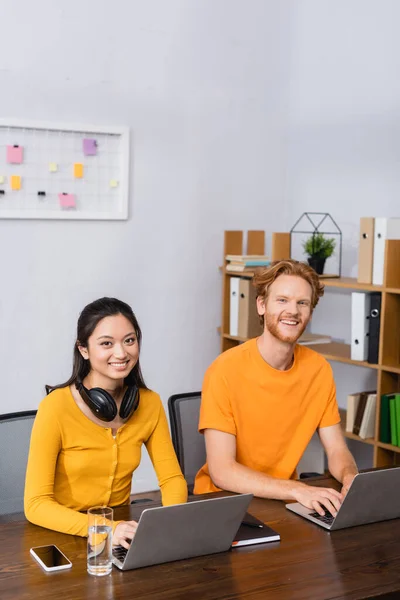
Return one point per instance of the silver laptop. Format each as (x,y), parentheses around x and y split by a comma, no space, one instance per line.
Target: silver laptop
(181,531)
(373,496)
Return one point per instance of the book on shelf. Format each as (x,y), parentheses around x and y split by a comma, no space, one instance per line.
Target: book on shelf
(242,268)
(254,531)
(384,429)
(360,412)
(246,257)
(393,421)
(308,339)
(245,262)
(394,417)
(367,427)
(389,430)
(397,414)
(249,263)
(352,405)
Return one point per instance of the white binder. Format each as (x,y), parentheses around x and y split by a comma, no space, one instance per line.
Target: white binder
(234,306)
(385,229)
(360,309)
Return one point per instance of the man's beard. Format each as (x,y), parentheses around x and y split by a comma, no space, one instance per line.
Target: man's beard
(272,324)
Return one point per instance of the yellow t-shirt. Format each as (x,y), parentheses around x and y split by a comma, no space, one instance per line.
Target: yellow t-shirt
(74,463)
(272,413)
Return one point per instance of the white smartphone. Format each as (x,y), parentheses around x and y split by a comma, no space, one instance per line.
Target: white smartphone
(50,558)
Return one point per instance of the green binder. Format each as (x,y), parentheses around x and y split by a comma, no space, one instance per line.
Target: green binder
(397,406)
(384,429)
(393,422)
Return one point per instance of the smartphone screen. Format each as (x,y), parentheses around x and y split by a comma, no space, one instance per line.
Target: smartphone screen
(51,557)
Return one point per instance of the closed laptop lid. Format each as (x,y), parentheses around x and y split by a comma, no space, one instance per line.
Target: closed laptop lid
(182,531)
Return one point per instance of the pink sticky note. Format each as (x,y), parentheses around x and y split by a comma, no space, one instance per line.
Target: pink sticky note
(89,147)
(67,200)
(14,154)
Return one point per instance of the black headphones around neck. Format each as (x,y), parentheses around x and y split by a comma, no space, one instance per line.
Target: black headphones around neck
(103,405)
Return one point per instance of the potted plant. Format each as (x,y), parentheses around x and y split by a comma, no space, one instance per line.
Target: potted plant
(318,248)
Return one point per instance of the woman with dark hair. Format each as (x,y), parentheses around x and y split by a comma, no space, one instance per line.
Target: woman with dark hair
(87,437)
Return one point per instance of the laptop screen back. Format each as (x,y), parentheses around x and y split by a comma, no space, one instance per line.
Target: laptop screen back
(186,530)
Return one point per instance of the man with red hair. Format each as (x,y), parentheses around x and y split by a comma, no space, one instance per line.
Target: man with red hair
(263,400)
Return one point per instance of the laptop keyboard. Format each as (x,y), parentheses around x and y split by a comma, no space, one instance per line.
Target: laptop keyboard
(119,552)
(326,518)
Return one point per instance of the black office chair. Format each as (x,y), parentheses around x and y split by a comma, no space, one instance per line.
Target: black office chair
(189,444)
(15,434)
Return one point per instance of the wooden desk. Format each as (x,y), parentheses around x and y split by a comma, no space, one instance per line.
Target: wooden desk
(308,564)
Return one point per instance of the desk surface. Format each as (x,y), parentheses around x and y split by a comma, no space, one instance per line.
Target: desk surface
(309,564)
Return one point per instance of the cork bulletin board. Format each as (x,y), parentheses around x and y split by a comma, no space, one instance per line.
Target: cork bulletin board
(53,171)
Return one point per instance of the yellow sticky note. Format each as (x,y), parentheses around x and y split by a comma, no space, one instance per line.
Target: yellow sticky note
(2,179)
(78,170)
(53,167)
(15,182)
(113,183)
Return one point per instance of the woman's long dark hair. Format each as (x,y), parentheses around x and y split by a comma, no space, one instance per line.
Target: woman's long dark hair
(91,315)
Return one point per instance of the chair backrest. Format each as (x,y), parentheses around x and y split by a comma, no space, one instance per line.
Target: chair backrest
(189,444)
(15,434)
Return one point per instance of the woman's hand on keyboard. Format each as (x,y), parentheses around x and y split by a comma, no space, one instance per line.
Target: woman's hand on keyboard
(124,533)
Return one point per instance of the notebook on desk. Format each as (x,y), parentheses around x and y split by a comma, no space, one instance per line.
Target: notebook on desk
(254,531)
(182,531)
(372,497)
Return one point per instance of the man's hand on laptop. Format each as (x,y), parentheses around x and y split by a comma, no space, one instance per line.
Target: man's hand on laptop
(318,498)
(124,533)
(347,481)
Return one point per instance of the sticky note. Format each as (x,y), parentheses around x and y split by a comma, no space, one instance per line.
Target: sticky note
(67,200)
(78,170)
(15,182)
(53,167)
(113,183)
(89,147)
(2,179)
(14,154)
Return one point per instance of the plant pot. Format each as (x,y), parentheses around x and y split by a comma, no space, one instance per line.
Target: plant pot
(317,264)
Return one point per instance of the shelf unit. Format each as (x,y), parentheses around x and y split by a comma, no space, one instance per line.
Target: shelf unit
(388,368)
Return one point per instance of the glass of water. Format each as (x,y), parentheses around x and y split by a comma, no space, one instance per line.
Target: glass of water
(99,545)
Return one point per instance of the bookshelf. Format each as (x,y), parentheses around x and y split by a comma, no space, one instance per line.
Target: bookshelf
(388,367)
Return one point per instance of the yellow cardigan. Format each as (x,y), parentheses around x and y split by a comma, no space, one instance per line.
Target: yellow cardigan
(74,464)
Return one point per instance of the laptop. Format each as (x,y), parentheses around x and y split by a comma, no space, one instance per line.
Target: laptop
(373,496)
(182,531)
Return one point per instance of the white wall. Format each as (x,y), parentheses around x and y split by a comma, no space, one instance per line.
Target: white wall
(344,135)
(243,115)
(202,85)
